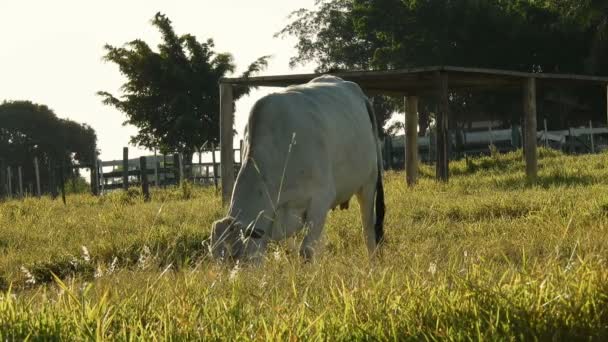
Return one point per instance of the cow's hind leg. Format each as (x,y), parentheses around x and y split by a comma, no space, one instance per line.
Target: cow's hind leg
(366,202)
(315,221)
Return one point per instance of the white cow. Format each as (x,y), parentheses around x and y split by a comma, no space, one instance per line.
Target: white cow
(308,149)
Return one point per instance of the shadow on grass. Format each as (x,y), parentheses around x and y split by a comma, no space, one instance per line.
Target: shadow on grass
(181,251)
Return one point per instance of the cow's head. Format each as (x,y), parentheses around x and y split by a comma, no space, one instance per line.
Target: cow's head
(231,239)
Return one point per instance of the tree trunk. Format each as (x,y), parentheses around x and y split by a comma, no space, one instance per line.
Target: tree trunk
(423,121)
(187,160)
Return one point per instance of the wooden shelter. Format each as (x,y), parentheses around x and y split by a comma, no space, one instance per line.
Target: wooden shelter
(411,83)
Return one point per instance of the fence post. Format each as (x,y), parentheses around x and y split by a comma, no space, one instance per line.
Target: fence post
(214,165)
(164,169)
(3,189)
(143,174)
(20,179)
(411,140)
(52,179)
(176,168)
(491,135)
(546,133)
(226,141)
(241,152)
(200,166)
(591,136)
(442,168)
(529,101)
(62,182)
(95,173)
(181,167)
(37,171)
(125,168)
(388,145)
(155,169)
(9,181)
(571,135)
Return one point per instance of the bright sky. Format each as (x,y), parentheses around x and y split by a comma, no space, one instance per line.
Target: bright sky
(51,51)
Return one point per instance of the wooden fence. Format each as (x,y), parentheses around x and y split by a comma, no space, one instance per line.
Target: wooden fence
(462,143)
(160,171)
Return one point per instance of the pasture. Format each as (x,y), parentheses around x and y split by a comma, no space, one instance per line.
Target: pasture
(485,256)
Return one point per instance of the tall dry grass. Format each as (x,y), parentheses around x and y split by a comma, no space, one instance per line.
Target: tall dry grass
(486,256)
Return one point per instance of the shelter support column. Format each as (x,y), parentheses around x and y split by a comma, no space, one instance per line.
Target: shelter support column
(226,141)
(442,166)
(530,153)
(411,140)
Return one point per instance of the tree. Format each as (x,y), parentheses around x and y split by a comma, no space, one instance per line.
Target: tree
(171,95)
(328,37)
(29,130)
(525,35)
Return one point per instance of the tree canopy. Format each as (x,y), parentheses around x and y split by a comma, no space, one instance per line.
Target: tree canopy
(171,95)
(29,130)
(564,36)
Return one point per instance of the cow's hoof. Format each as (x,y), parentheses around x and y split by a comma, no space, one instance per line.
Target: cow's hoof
(307,253)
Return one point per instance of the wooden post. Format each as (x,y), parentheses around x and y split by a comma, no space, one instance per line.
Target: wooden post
(442,167)
(20,180)
(432,145)
(388,151)
(52,179)
(546,133)
(529,99)
(607,102)
(9,182)
(37,171)
(95,173)
(207,173)
(490,132)
(125,168)
(155,169)
(143,174)
(411,140)
(181,166)
(62,182)
(591,136)
(3,189)
(241,152)
(200,164)
(164,180)
(226,141)
(176,168)
(101,182)
(571,141)
(214,165)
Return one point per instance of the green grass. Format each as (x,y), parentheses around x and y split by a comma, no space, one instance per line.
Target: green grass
(487,256)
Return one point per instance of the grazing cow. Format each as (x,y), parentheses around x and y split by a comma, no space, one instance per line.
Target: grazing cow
(308,149)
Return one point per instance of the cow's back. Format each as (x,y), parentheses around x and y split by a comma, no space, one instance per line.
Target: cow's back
(312,134)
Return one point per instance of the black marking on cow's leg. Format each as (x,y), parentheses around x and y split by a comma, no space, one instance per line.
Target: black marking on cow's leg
(380,210)
(380,207)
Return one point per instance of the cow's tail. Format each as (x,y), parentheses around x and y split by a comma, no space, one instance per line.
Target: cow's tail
(380,208)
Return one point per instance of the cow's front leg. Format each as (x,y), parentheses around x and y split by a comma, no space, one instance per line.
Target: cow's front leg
(315,218)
